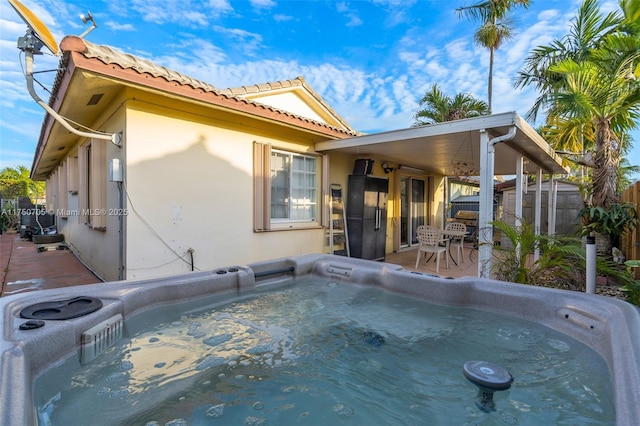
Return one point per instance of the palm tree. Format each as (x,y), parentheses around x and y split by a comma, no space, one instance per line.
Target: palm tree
(16,182)
(602,92)
(439,107)
(586,31)
(495,29)
(589,87)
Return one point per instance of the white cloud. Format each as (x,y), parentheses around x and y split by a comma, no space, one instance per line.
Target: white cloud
(436,70)
(459,50)
(114,26)
(185,12)
(248,41)
(262,4)
(279,17)
(353,20)
(221,6)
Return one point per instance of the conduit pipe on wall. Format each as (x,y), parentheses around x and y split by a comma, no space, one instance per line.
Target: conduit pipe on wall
(114,137)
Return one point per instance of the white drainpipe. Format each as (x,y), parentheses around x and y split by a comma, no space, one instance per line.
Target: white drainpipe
(485,234)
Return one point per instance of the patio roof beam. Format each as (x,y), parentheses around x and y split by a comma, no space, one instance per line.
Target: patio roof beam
(519,199)
(538,212)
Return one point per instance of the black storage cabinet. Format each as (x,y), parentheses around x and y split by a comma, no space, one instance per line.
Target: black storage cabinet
(367,216)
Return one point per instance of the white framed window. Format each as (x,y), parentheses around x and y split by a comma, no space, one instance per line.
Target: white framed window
(287,189)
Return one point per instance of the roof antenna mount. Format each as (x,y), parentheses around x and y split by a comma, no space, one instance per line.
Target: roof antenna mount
(36,37)
(85,19)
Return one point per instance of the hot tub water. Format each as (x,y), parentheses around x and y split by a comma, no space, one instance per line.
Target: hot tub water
(318,352)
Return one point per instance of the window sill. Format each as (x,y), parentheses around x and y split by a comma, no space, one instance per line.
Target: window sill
(290,228)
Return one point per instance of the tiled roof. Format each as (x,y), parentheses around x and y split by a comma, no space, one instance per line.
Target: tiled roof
(109,55)
(225,97)
(299,81)
(264,87)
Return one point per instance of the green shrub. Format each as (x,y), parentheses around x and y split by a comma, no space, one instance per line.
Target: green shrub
(562,261)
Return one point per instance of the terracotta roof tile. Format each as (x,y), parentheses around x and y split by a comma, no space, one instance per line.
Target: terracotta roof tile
(284,84)
(110,56)
(264,87)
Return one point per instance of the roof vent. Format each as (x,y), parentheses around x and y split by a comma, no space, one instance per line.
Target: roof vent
(95,99)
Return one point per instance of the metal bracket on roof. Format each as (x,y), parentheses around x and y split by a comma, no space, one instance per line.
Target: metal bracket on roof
(86,19)
(37,37)
(28,59)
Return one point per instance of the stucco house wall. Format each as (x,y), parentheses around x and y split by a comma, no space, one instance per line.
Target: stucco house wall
(187,154)
(97,248)
(190,184)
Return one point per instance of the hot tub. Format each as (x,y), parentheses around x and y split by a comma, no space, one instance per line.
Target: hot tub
(102,315)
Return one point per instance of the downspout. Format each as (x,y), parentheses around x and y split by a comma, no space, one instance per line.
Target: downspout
(485,234)
(121,216)
(507,137)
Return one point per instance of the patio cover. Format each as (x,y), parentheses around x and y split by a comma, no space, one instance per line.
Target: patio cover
(496,144)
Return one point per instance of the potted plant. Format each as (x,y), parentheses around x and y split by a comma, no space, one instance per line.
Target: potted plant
(609,223)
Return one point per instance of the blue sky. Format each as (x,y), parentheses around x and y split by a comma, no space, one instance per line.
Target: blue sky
(370,60)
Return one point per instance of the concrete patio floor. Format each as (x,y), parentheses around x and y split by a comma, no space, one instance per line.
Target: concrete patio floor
(468,267)
(24,268)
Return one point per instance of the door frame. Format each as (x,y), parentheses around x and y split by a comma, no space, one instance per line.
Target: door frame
(397,195)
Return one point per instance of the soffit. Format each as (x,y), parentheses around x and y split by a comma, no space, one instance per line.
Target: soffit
(437,148)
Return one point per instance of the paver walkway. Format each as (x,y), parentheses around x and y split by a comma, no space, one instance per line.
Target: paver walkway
(24,268)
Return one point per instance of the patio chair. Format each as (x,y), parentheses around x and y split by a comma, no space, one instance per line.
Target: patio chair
(430,240)
(457,242)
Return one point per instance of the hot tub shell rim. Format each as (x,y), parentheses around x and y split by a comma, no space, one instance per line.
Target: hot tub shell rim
(606,325)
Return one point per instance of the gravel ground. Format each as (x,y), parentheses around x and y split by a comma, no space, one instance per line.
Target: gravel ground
(611,290)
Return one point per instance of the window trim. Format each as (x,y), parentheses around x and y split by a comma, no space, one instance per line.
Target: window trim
(262,191)
(72,175)
(62,206)
(92,194)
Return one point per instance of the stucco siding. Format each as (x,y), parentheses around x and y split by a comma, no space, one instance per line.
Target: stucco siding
(98,249)
(289,102)
(190,186)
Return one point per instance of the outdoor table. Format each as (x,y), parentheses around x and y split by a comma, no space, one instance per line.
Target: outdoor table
(449,234)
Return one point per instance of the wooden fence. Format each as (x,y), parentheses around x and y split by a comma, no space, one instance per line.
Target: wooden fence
(631,240)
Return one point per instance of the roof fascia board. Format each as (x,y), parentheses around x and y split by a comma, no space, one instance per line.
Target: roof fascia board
(210,99)
(449,127)
(553,162)
(549,161)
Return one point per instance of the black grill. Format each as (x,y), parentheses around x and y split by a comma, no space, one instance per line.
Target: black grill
(468,217)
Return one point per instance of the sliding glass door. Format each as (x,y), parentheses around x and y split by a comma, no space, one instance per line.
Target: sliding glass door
(412,208)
